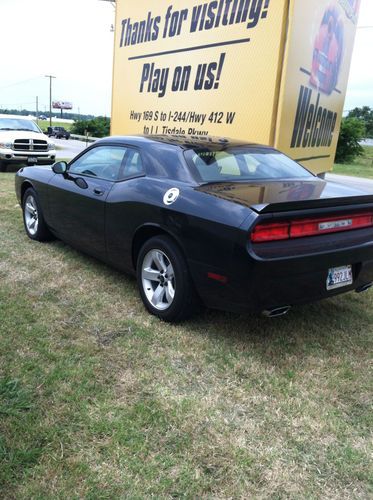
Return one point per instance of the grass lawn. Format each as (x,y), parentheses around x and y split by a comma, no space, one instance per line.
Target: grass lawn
(361,167)
(99,400)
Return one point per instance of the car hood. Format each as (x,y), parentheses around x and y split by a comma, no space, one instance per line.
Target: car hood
(11,135)
(285,195)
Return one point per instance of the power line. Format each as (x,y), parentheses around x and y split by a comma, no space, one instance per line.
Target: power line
(2,105)
(20,82)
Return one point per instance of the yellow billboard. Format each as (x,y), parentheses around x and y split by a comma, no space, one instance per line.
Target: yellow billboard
(228,68)
(314,80)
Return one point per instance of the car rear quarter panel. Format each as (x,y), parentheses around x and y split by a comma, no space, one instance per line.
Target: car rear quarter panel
(205,227)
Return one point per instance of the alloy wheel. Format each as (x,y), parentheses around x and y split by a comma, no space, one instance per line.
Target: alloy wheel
(31,215)
(158,279)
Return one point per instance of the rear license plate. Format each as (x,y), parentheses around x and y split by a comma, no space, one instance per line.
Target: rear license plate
(338,277)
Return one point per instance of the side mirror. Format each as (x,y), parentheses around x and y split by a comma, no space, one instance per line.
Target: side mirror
(60,167)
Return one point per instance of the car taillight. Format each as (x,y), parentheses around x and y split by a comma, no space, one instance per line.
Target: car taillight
(300,228)
(270,232)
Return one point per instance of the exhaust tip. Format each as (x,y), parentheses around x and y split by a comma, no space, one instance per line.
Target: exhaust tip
(276,312)
(364,288)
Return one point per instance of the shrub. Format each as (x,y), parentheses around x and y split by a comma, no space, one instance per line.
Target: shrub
(97,127)
(365,114)
(348,148)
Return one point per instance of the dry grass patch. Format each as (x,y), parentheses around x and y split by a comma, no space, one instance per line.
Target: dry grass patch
(100,400)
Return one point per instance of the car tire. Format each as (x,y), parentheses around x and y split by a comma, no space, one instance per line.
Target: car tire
(33,219)
(163,278)
(3,166)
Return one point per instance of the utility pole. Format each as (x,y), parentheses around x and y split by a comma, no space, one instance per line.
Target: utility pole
(50,98)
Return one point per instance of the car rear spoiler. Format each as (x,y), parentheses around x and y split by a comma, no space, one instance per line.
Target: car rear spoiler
(365,201)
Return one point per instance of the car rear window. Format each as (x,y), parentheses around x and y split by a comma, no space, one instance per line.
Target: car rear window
(242,164)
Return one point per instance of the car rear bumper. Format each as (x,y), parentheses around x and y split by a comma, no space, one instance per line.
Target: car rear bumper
(255,284)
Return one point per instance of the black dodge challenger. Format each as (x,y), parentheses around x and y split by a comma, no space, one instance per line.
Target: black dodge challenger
(235,226)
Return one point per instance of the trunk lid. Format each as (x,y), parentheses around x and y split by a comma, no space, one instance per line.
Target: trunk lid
(288,195)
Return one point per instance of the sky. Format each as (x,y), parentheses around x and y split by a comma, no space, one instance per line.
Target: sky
(72,40)
(69,39)
(360,84)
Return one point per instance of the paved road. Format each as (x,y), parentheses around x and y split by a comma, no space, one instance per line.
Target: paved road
(355,182)
(69,148)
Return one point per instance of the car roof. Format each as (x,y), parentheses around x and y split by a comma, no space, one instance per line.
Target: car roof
(180,141)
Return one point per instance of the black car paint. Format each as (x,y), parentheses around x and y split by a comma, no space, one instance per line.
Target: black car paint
(211,223)
(82,211)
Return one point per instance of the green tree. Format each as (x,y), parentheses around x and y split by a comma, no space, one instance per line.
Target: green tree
(352,132)
(97,127)
(364,114)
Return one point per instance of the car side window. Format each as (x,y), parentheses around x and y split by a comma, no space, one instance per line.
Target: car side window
(131,166)
(104,162)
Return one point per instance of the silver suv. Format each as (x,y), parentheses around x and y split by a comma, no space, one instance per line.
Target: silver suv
(23,142)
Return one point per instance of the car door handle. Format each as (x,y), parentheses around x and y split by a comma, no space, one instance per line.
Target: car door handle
(98,191)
